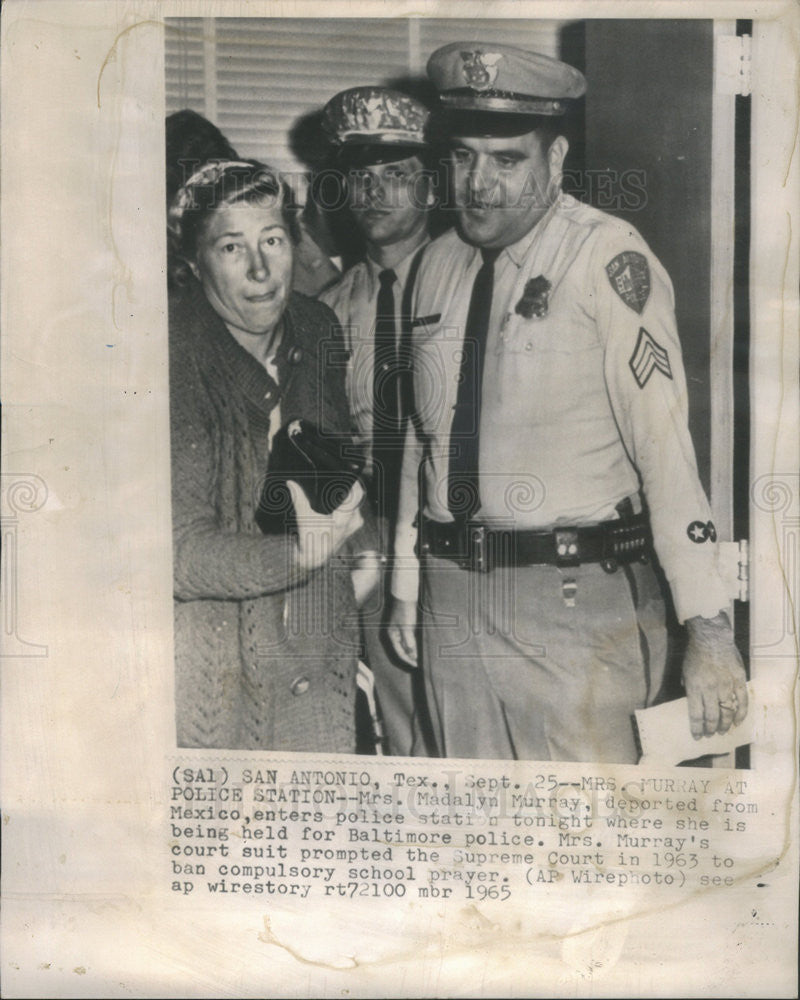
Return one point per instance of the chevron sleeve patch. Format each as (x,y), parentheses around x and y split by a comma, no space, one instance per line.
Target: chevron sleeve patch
(648,356)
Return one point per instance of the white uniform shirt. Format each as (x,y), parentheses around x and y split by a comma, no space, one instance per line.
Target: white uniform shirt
(354,299)
(581,406)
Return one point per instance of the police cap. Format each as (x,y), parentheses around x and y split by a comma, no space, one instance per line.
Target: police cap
(375,125)
(503,80)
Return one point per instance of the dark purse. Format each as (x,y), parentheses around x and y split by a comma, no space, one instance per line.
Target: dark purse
(324,467)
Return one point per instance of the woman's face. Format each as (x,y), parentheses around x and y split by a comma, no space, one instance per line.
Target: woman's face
(244,263)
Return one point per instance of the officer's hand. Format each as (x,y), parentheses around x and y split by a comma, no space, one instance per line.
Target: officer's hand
(319,536)
(714,677)
(402,628)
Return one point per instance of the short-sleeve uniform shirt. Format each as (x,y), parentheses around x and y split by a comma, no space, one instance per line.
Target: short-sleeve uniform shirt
(354,299)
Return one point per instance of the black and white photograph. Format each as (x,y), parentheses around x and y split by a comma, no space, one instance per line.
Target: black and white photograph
(400,498)
(476,290)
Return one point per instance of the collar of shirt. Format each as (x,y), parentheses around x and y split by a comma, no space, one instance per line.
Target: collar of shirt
(401,270)
(518,251)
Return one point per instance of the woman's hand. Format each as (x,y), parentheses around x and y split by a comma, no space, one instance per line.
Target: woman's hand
(319,536)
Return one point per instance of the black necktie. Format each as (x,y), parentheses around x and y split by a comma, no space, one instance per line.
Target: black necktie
(386,417)
(463,497)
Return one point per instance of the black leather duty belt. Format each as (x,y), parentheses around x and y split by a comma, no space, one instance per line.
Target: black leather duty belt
(482,548)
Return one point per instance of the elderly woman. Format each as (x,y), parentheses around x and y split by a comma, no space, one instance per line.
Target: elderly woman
(265,630)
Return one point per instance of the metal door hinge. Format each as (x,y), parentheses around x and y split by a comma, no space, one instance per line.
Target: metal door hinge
(734,565)
(732,62)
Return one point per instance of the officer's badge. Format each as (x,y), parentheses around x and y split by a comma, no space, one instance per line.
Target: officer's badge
(700,532)
(480,68)
(533,303)
(425,320)
(629,274)
(648,356)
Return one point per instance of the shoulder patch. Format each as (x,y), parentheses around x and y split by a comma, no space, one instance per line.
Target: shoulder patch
(629,274)
(648,355)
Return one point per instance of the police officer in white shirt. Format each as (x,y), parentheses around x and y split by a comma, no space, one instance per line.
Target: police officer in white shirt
(554,455)
(380,135)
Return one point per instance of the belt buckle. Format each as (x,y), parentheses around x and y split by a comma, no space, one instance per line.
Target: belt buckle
(568,549)
(478,549)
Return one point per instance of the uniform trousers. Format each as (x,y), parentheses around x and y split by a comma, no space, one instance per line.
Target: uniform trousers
(539,662)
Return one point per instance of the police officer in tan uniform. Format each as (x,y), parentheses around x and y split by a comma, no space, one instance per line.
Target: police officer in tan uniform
(380,138)
(552,450)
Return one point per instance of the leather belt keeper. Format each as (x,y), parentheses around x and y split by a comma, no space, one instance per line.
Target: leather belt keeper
(481,548)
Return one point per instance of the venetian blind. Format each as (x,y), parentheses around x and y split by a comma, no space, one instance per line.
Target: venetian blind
(184,64)
(258,78)
(272,72)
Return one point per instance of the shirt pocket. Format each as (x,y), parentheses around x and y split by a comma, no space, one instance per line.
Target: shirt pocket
(547,365)
(358,385)
(437,362)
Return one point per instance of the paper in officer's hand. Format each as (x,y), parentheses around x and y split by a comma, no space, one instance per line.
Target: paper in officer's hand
(665,736)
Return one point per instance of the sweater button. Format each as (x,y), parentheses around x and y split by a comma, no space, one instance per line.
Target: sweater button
(295,355)
(299,686)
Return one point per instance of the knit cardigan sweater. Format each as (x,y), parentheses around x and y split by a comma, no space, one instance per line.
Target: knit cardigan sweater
(265,654)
